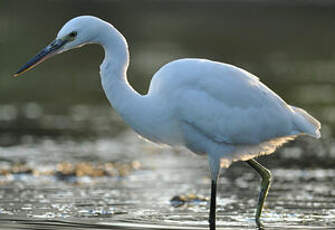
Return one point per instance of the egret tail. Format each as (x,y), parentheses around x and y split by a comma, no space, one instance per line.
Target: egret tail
(305,123)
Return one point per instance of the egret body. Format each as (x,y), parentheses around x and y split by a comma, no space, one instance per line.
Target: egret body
(209,107)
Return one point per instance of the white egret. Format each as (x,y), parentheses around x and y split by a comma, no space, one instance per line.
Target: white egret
(209,107)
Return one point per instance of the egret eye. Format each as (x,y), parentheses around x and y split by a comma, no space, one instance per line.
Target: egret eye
(72,35)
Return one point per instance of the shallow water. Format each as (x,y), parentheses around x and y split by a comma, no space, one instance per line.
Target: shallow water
(58,114)
(300,198)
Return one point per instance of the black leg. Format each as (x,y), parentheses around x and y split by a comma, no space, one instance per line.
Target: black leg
(265,186)
(214,166)
(212,212)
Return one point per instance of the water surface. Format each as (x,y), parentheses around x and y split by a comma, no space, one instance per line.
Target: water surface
(57,115)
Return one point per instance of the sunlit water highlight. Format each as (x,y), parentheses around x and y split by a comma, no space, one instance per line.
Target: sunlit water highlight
(299,68)
(300,197)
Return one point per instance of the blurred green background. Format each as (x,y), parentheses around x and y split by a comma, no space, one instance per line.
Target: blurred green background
(58,112)
(288,44)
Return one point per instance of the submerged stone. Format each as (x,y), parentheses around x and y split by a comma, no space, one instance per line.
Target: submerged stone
(180,200)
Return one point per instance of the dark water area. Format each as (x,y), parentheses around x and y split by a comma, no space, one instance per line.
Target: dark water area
(57,114)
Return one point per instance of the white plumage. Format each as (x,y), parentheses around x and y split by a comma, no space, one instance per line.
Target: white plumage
(226,110)
(209,107)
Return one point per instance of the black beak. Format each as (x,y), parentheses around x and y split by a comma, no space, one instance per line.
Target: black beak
(44,54)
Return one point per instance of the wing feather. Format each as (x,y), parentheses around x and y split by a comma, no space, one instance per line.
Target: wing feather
(228,104)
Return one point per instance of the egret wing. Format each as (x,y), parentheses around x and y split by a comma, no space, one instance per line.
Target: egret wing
(234,109)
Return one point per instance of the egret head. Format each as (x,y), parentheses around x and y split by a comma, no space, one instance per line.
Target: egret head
(75,33)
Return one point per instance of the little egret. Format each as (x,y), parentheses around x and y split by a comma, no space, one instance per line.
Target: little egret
(208,107)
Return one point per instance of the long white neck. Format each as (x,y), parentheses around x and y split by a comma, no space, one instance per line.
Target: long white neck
(124,99)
